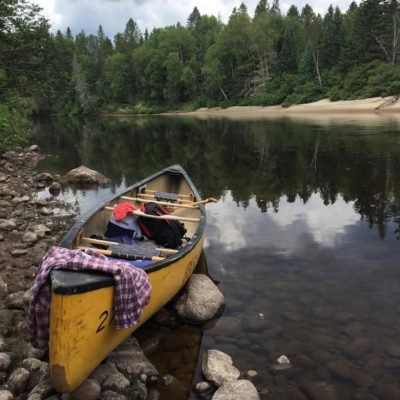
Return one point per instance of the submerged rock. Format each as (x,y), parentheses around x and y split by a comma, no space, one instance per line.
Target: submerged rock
(217,367)
(84,177)
(236,390)
(201,301)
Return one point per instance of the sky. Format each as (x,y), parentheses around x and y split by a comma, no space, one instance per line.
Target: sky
(114,14)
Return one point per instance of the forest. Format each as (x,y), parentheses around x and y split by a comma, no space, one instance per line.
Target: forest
(259,57)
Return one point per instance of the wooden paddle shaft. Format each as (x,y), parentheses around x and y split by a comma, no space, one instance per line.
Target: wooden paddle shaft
(162,203)
(109,243)
(110,253)
(165,217)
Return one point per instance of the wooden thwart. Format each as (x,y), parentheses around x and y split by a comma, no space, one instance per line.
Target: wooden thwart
(165,217)
(178,200)
(156,191)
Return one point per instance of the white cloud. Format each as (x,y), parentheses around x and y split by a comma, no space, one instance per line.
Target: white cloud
(113,14)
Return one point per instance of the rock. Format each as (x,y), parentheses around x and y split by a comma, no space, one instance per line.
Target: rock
(153,394)
(167,380)
(23,199)
(41,203)
(2,344)
(43,388)
(203,387)
(217,367)
(44,177)
(34,147)
(282,363)
(340,369)
(103,371)
(132,363)
(358,347)
(151,345)
(45,211)
(83,176)
(15,301)
(41,230)
(19,252)
(116,381)
(18,380)
(30,237)
(236,390)
(201,301)
(7,224)
(39,371)
(138,391)
(5,361)
(3,288)
(393,350)
(5,203)
(88,390)
(55,188)
(321,391)
(228,326)
(250,374)
(110,395)
(6,395)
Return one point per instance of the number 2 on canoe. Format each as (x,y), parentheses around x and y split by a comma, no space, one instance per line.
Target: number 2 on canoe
(103,318)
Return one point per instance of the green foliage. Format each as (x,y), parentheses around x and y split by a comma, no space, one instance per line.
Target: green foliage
(15,128)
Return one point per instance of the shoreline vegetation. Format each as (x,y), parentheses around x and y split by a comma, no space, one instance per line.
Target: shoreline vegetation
(258,58)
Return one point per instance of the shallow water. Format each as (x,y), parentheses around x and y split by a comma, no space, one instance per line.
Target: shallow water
(303,241)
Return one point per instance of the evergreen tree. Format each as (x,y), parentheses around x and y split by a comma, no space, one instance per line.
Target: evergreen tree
(293,12)
(275,9)
(194,20)
(262,9)
(331,38)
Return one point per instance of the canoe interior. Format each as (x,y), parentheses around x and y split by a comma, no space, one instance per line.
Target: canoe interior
(171,180)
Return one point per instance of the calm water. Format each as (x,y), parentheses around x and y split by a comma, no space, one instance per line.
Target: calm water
(304,242)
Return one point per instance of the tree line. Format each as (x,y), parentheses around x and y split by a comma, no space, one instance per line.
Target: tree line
(259,58)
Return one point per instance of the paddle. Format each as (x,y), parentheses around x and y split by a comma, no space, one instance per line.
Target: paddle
(205,201)
(128,252)
(133,246)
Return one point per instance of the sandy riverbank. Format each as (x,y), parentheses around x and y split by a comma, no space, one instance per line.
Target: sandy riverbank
(323,109)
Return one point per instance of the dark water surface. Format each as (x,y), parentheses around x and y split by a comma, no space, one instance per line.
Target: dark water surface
(304,241)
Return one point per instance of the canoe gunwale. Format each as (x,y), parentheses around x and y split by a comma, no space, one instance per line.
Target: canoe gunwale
(105,280)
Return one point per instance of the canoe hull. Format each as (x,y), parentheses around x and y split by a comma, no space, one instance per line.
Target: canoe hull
(86,318)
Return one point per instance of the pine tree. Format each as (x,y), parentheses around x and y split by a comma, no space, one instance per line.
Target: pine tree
(262,9)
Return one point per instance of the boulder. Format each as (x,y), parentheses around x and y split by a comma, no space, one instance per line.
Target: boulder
(88,390)
(84,177)
(217,367)
(18,380)
(236,390)
(6,395)
(132,363)
(5,361)
(201,301)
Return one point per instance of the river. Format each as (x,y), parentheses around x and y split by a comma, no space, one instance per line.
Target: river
(304,241)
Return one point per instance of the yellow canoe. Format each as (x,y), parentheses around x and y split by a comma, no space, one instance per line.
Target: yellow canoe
(82,333)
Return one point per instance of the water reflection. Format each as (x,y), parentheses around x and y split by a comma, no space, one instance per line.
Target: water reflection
(305,233)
